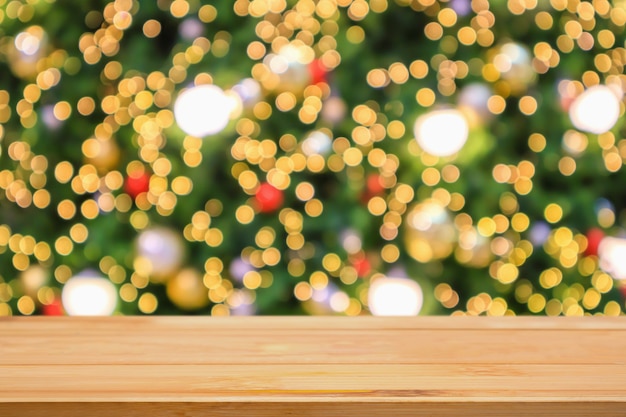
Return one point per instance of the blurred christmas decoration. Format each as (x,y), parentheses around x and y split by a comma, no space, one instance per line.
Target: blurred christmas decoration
(54,308)
(268,198)
(596,110)
(333,110)
(475,97)
(512,60)
(33,279)
(203,110)
(160,253)
(475,169)
(89,294)
(395,297)
(612,252)
(594,239)
(249,91)
(290,68)
(441,132)
(28,48)
(136,183)
(317,143)
(104,154)
(318,72)
(430,233)
(187,291)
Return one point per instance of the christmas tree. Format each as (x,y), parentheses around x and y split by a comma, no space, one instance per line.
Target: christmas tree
(312,157)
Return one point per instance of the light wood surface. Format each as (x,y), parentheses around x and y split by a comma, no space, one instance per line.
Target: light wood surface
(312,366)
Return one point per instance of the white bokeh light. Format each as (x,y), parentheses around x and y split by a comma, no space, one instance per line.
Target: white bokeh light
(162,248)
(290,64)
(339,301)
(203,110)
(88,294)
(475,96)
(317,143)
(190,29)
(612,254)
(249,91)
(441,132)
(514,62)
(395,297)
(30,41)
(351,241)
(596,110)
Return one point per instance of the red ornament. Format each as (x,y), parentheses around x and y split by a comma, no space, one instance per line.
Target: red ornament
(318,72)
(594,237)
(373,187)
(55,308)
(375,184)
(137,183)
(362,266)
(269,198)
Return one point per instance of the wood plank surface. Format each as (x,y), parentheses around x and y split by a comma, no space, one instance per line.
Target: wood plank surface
(312,366)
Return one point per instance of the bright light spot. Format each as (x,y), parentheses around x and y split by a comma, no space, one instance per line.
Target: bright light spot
(249,90)
(395,297)
(163,248)
(291,65)
(351,241)
(475,96)
(27,43)
(339,301)
(48,117)
(203,110)
(191,29)
(292,53)
(87,294)
(441,132)
(288,57)
(514,63)
(317,143)
(428,215)
(539,233)
(334,110)
(34,278)
(502,63)
(596,110)
(279,64)
(239,267)
(612,253)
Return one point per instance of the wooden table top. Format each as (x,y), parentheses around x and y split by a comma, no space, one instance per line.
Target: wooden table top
(312,366)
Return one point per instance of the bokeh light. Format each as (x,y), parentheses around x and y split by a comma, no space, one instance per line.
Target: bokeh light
(612,253)
(441,132)
(395,297)
(159,252)
(203,110)
(88,294)
(482,161)
(596,110)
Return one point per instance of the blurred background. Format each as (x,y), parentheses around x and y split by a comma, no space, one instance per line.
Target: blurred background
(349,157)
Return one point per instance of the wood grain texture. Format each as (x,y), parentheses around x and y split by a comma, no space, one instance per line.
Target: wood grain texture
(312,366)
